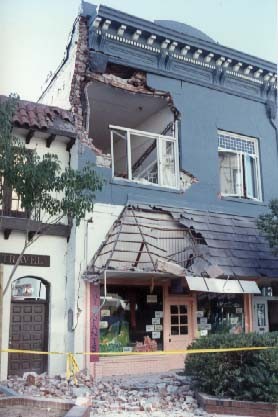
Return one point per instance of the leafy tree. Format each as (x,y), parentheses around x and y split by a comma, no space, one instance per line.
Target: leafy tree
(268,224)
(46,192)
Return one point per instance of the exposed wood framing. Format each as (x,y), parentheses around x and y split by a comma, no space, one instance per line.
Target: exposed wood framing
(49,140)
(139,241)
(29,136)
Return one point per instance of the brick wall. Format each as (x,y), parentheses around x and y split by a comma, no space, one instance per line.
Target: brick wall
(135,365)
(237,408)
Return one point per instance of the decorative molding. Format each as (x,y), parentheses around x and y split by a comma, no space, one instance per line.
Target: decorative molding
(271,109)
(161,53)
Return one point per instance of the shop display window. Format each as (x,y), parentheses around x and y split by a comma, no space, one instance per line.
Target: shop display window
(220,314)
(131,319)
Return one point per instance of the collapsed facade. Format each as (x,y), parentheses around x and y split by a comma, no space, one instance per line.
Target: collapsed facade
(184,131)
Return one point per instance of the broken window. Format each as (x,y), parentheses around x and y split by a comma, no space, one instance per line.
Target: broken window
(144,157)
(138,130)
(239,166)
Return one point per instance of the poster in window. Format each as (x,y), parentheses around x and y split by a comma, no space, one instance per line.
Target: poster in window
(203,332)
(199,314)
(149,328)
(151,298)
(159,314)
(204,326)
(203,320)
(103,324)
(158,327)
(105,313)
(155,320)
(155,335)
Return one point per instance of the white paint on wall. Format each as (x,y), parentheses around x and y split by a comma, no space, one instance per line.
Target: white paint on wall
(58,92)
(157,122)
(55,275)
(84,242)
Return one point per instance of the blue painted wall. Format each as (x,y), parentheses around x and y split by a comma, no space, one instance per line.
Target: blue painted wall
(205,106)
(203,111)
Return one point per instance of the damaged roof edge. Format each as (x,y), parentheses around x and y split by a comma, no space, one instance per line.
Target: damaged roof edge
(146,25)
(64,60)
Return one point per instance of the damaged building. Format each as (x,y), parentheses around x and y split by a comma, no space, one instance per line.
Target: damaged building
(184,131)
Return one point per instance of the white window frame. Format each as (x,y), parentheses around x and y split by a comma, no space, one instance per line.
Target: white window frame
(159,139)
(240,155)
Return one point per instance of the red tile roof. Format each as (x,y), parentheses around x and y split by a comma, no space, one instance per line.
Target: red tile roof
(39,116)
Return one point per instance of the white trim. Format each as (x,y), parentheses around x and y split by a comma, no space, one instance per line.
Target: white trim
(129,167)
(112,152)
(141,132)
(256,157)
(159,138)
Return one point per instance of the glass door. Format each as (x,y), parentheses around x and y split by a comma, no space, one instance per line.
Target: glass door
(261,324)
(179,325)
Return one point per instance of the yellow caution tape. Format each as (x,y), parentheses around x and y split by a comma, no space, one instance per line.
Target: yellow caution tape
(72,368)
(72,365)
(158,352)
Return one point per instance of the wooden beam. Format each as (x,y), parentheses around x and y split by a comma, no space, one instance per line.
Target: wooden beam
(70,144)
(29,136)
(7,233)
(23,224)
(49,140)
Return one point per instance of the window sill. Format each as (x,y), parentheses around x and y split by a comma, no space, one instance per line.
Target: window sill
(244,200)
(137,184)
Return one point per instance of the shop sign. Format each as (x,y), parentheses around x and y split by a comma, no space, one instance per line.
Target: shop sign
(204,326)
(151,298)
(27,259)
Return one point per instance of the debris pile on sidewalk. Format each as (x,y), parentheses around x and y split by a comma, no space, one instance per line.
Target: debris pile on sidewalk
(156,395)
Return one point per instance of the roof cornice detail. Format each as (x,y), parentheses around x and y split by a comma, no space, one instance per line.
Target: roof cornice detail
(116,26)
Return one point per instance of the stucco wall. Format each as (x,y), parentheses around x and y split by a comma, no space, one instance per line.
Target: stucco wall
(55,275)
(84,242)
(58,91)
(58,147)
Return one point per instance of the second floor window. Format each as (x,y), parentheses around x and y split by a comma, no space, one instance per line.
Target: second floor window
(239,166)
(11,204)
(144,157)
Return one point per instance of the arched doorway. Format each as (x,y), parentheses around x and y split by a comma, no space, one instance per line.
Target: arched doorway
(28,325)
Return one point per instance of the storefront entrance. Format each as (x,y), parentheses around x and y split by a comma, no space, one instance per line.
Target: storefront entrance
(179,324)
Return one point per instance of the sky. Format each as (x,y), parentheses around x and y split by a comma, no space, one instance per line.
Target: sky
(34,33)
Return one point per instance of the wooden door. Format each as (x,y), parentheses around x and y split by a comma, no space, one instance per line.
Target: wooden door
(179,324)
(28,331)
